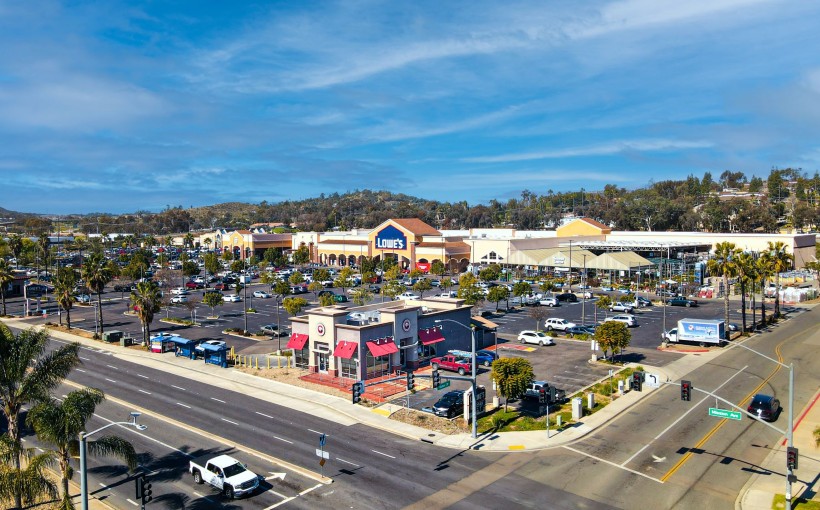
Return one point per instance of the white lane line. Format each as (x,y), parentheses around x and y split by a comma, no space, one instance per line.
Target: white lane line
(110,380)
(286,500)
(41,450)
(104,486)
(310,489)
(84,358)
(177,387)
(143,391)
(229,421)
(610,463)
(143,376)
(183,405)
(80,370)
(346,462)
(220,401)
(265,415)
(314,431)
(112,366)
(284,440)
(277,494)
(692,408)
(132,502)
(380,453)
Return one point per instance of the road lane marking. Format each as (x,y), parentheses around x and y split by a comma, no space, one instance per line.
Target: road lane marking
(110,380)
(347,462)
(380,453)
(683,416)
(286,500)
(220,401)
(229,421)
(146,392)
(132,502)
(310,489)
(314,431)
(177,387)
(84,358)
(143,376)
(611,463)
(112,366)
(265,415)
(183,405)
(80,370)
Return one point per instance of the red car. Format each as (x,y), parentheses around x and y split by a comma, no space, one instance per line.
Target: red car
(193,285)
(219,286)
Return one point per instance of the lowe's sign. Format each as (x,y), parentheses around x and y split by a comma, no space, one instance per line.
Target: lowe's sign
(391,238)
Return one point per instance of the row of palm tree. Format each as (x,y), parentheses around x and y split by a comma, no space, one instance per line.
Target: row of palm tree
(729,261)
(28,375)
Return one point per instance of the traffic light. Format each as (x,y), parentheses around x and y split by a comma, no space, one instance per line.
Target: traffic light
(358,389)
(436,379)
(791,458)
(145,489)
(637,381)
(542,396)
(686,390)
(411,381)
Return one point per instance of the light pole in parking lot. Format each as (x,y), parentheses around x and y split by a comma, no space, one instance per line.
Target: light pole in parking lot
(472,370)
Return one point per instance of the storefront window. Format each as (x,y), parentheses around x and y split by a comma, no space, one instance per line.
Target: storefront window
(377,367)
(349,368)
(302,357)
(426,351)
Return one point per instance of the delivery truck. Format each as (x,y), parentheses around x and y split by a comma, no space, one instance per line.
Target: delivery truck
(701,331)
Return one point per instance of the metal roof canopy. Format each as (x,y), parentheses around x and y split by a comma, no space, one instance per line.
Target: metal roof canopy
(636,245)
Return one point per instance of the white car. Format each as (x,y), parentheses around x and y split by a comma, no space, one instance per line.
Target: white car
(83,298)
(626,318)
(261,294)
(588,294)
(201,350)
(549,301)
(621,307)
(559,324)
(409,296)
(233,298)
(535,337)
(179,291)
(179,299)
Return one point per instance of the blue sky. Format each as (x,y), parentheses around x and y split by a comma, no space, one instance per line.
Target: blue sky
(125,106)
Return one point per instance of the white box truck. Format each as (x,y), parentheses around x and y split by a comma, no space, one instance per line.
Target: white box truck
(701,331)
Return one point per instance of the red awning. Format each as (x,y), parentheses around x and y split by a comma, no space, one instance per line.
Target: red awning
(430,336)
(382,347)
(345,349)
(297,341)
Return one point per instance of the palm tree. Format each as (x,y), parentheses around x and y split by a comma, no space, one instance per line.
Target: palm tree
(97,274)
(60,423)
(16,247)
(145,299)
(188,240)
(30,484)
(6,277)
(764,272)
(781,261)
(64,291)
(746,274)
(27,374)
(724,263)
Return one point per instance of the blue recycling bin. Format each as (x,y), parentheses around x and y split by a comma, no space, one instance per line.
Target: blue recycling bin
(185,347)
(216,354)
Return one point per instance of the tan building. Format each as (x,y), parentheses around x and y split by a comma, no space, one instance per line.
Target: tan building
(245,244)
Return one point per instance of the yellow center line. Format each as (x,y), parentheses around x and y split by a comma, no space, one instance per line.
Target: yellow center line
(717,427)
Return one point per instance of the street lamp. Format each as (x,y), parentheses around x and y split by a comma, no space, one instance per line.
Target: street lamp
(472,370)
(83,468)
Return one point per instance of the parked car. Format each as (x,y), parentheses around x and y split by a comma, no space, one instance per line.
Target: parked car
(535,337)
(449,405)
(580,330)
(270,329)
(621,307)
(681,301)
(122,288)
(194,285)
(588,294)
(200,350)
(549,301)
(261,294)
(486,358)
(83,298)
(220,286)
(641,302)
(179,291)
(408,296)
(569,297)
(765,407)
(232,298)
(375,289)
(626,318)
(559,324)
(179,299)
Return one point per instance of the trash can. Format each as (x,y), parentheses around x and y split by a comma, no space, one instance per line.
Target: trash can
(113,336)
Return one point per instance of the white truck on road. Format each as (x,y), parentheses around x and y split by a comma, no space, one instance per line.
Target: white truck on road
(225,473)
(700,331)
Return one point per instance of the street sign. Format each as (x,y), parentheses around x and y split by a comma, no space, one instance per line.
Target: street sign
(322,439)
(724,413)
(443,385)
(652,380)
(322,454)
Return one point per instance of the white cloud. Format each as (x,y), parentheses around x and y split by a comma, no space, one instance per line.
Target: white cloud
(594,150)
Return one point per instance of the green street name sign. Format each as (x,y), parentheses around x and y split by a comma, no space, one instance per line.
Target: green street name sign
(724,413)
(443,385)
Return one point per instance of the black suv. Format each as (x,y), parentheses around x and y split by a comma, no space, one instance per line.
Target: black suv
(764,407)
(569,297)
(450,404)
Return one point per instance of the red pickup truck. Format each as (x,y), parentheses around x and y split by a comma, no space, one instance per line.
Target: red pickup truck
(452,363)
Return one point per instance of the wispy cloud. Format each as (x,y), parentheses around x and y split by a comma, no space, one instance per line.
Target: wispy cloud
(594,150)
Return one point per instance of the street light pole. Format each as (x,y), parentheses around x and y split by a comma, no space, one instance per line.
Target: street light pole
(83,467)
(472,371)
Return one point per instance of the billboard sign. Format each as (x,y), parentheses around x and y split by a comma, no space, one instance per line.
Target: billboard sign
(391,238)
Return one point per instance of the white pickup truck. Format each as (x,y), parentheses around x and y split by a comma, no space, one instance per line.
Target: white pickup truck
(225,473)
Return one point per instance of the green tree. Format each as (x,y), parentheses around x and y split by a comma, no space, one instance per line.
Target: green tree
(301,256)
(447,283)
(614,336)
(146,300)
(746,272)
(497,294)
(361,295)
(781,261)
(538,314)
(60,423)
(422,286)
(97,273)
(6,277)
(212,264)
(296,278)
(521,289)
(469,290)
(602,303)
(724,263)
(16,247)
(321,275)
(294,305)
(392,289)
(28,485)
(764,269)
(437,268)
(344,280)
(27,374)
(64,285)
(315,287)
(393,273)
(212,300)
(489,273)
(326,300)
(512,376)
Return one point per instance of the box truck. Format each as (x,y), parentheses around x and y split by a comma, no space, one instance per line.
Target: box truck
(700,331)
